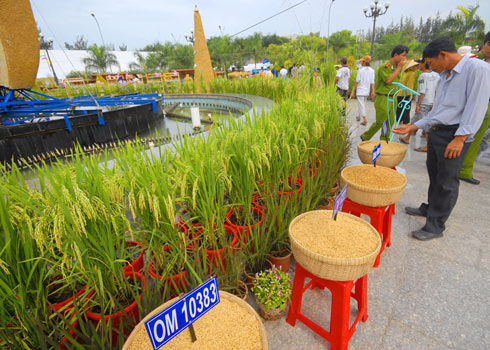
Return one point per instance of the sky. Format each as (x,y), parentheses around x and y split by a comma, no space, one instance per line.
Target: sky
(142,22)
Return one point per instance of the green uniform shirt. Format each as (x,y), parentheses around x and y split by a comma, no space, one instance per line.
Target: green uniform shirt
(382,74)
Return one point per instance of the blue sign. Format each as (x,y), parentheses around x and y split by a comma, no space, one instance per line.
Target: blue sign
(339,201)
(376,153)
(385,130)
(170,322)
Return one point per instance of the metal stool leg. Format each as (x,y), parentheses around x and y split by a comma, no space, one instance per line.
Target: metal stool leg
(296,295)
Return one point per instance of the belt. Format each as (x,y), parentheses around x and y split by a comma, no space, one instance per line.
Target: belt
(381,94)
(443,127)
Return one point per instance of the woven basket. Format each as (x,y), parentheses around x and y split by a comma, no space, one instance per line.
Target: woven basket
(335,269)
(372,197)
(389,158)
(139,340)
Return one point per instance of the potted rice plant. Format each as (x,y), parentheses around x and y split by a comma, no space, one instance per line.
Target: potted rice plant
(281,255)
(244,216)
(116,302)
(272,291)
(214,244)
(134,250)
(168,265)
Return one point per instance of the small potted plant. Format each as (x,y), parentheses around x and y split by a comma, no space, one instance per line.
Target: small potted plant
(272,291)
(281,255)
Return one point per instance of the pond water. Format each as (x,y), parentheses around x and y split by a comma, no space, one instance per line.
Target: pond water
(179,122)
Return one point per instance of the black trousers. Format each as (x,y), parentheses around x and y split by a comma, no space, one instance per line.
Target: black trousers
(443,176)
(405,119)
(343,94)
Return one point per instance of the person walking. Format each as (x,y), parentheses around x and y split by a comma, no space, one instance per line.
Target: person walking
(459,108)
(427,84)
(294,71)
(363,88)
(342,79)
(385,75)
(283,72)
(268,73)
(466,173)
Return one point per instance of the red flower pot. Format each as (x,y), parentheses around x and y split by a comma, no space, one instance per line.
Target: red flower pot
(243,232)
(67,305)
(299,183)
(139,262)
(66,341)
(216,257)
(184,227)
(281,262)
(178,280)
(130,312)
(195,228)
(255,202)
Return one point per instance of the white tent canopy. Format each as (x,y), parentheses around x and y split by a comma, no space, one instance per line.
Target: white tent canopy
(65,61)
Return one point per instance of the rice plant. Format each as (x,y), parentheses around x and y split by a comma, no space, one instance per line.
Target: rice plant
(82,225)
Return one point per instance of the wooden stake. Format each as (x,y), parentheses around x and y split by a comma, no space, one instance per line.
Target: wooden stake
(193,333)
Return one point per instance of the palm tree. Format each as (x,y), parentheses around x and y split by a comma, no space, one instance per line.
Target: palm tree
(99,59)
(466,27)
(148,64)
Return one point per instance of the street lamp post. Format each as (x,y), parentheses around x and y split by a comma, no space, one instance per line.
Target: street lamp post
(375,11)
(98,26)
(328,28)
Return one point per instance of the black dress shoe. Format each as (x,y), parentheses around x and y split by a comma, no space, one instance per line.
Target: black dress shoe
(415,211)
(422,235)
(470,180)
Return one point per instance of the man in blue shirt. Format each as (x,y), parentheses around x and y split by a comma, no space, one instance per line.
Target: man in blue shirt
(459,107)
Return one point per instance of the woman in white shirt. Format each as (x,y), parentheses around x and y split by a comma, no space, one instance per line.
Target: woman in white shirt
(364,87)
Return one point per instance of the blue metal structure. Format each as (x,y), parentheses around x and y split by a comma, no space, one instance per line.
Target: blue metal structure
(24,105)
(404,103)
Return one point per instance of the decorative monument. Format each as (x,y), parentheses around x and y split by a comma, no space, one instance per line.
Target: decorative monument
(18,44)
(202,60)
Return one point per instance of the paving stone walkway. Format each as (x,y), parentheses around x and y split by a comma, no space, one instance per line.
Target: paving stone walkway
(425,295)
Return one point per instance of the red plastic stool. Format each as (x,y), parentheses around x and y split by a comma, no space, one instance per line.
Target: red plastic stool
(340,333)
(380,220)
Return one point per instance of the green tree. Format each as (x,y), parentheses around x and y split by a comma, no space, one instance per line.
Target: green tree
(44,43)
(223,51)
(99,59)
(168,56)
(383,51)
(79,44)
(273,39)
(465,27)
(182,56)
(148,64)
(308,49)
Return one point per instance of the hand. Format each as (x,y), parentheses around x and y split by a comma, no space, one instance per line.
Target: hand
(454,148)
(417,109)
(402,63)
(405,129)
(353,94)
(373,96)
